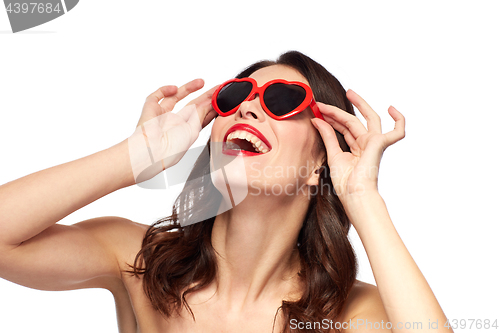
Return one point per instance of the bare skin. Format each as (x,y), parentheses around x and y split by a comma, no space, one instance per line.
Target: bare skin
(38,253)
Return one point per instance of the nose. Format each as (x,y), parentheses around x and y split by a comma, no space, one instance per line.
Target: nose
(251,109)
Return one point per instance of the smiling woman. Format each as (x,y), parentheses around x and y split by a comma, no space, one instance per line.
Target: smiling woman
(256,241)
(279,260)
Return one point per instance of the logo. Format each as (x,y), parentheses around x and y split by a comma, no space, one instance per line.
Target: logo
(24,14)
(162,143)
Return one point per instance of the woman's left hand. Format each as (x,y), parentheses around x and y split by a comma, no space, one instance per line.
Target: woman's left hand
(356,172)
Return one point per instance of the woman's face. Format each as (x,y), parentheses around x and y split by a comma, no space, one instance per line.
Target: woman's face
(286,167)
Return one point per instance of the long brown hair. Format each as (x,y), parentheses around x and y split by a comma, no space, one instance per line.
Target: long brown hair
(177,259)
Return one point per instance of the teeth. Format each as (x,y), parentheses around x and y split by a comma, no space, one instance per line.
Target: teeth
(244,135)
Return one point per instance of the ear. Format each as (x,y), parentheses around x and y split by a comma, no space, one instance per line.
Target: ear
(314,177)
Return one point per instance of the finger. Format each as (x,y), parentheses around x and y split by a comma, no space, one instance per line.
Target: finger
(329,137)
(205,112)
(204,106)
(350,121)
(349,139)
(161,93)
(399,128)
(210,115)
(206,96)
(169,102)
(372,118)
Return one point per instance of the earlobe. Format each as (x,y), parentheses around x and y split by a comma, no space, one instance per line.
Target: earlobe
(314,178)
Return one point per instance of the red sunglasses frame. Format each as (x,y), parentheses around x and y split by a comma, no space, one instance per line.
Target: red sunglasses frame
(308,100)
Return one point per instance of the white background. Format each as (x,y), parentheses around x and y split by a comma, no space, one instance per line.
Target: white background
(76,85)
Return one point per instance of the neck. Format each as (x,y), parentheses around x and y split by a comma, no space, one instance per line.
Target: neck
(256,242)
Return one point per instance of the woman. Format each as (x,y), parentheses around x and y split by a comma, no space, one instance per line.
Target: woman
(276,260)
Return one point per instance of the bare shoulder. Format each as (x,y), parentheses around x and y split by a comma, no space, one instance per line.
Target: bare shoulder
(363,295)
(118,235)
(364,303)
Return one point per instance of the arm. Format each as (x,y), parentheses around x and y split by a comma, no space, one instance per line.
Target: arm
(31,204)
(404,293)
(37,252)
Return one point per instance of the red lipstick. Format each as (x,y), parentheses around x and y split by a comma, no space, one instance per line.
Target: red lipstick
(249,129)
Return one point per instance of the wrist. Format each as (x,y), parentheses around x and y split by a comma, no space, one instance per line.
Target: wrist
(366,208)
(122,164)
(359,199)
(144,149)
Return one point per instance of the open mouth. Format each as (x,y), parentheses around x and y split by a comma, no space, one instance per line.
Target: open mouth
(246,140)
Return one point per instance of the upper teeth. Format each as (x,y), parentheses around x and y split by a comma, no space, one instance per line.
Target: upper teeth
(244,135)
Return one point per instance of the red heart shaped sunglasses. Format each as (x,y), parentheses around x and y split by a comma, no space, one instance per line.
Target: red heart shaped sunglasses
(279,98)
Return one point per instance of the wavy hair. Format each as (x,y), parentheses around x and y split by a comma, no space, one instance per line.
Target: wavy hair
(177,259)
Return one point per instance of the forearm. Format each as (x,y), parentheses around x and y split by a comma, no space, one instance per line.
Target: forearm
(403,289)
(31,204)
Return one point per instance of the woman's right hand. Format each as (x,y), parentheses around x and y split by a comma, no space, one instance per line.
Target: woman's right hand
(162,137)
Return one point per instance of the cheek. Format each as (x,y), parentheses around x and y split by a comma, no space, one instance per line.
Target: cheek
(293,161)
(217,128)
(297,143)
